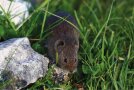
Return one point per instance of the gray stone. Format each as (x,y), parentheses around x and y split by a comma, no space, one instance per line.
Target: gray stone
(60,75)
(20,65)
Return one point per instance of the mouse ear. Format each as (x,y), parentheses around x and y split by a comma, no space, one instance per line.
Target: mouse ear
(59,43)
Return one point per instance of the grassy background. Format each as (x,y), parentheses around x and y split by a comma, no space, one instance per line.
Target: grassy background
(106,54)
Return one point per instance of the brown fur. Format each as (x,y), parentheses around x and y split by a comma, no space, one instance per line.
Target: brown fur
(65,41)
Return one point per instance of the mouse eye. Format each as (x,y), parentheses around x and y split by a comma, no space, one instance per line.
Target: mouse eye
(65,60)
(75,60)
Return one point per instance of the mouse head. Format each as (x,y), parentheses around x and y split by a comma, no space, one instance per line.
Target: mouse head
(67,53)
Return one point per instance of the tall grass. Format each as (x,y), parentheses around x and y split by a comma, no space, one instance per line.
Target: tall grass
(106,54)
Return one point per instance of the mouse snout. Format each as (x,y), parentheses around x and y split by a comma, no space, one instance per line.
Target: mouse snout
(70,61)
(71,64)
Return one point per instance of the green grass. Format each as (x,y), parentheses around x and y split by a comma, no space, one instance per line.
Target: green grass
(106,54)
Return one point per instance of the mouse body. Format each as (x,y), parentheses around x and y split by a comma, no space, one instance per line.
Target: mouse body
(64,40)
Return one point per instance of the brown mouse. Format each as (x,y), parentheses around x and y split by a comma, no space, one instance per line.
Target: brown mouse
(64,40)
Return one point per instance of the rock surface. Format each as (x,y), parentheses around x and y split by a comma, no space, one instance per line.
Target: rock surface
(20,64)
(60,75)
(17,9)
